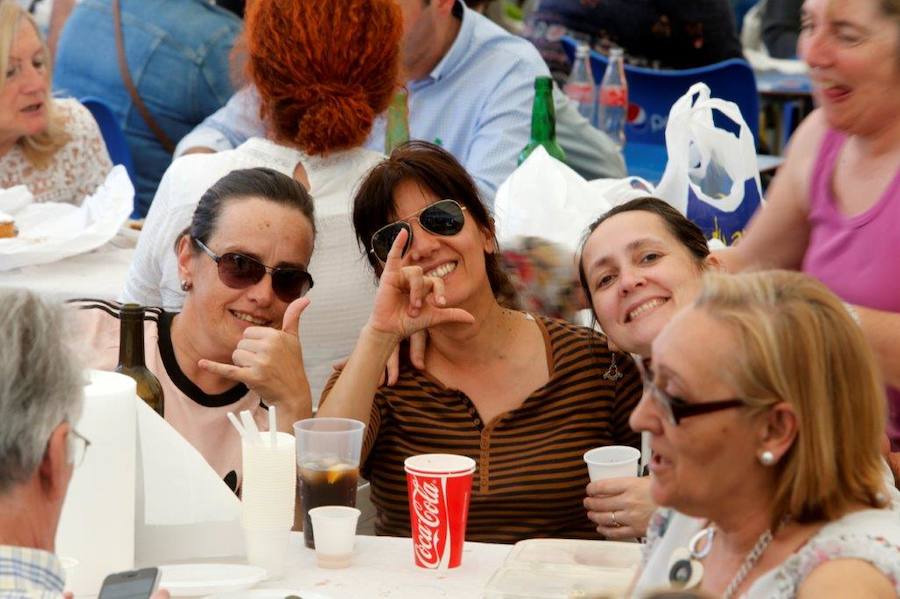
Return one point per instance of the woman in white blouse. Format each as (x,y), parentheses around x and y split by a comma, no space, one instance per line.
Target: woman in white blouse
(53,147)
(765,411)
(322,78)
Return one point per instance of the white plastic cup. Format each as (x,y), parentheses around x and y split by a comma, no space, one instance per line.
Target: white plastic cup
(334,528)
(267,548)
(268,489)
(612,461)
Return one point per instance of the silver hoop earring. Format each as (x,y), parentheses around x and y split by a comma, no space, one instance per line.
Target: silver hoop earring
(767,458)
(186,285)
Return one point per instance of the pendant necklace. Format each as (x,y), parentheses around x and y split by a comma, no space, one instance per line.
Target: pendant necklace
(686,571)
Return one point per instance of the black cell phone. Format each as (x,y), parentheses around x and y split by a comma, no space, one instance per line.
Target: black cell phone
(134,584)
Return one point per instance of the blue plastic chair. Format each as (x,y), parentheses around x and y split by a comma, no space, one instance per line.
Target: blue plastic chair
(652,92)
(116,144)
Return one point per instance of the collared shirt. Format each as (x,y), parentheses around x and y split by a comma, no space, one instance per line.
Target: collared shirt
(476,103)
(27,573)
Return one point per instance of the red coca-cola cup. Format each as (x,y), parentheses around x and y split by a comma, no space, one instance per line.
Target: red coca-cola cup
(440,485)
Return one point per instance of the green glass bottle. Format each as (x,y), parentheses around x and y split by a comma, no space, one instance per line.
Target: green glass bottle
(131,356)
(543,122)
(397,131)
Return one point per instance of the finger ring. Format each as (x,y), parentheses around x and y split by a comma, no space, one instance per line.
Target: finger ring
(615,523)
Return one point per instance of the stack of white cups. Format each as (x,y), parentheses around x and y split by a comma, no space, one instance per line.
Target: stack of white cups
(267,493)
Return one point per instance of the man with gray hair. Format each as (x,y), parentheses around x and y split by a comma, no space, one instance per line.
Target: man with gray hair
(40,397)
(41,392)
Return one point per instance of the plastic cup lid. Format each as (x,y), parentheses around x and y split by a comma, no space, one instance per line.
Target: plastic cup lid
(439,464)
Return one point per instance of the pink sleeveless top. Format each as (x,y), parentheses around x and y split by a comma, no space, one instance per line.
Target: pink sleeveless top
(857,257)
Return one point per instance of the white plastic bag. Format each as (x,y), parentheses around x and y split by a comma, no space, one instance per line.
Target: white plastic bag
(545,198)
(711,176)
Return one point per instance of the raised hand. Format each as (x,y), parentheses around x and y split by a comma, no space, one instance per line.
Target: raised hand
(270,362)
(407,301)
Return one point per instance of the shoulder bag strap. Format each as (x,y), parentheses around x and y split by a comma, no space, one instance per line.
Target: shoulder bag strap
(164,139)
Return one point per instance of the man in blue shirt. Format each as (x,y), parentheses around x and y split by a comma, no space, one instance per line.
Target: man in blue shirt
(177,53)
(471,87)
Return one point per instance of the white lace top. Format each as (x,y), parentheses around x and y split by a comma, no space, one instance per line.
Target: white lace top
(870,535)
(76,169)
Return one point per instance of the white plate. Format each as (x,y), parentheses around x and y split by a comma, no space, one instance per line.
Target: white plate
(195,580)
(269,594)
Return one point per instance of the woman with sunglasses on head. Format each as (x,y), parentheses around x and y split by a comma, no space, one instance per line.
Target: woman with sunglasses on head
(766,451)
(524,396)
(243,262)
(324,72)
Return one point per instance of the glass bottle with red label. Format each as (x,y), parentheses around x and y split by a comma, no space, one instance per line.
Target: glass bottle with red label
(613,99)
(580,85)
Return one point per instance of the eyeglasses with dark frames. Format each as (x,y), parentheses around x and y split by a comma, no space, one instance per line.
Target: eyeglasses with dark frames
(240,271)
(444,218)
(677,408)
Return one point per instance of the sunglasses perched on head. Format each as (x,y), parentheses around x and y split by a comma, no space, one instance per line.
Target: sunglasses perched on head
(676,408)
(444,218)
(239,271)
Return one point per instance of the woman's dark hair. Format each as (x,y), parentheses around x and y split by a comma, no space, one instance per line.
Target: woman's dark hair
(685,231)
(246,183)
(437,170)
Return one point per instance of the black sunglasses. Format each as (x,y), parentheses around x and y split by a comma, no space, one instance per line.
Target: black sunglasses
(676,408)
(239,272)
(444,217)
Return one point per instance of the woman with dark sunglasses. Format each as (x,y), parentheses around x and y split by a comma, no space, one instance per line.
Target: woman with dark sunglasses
(234,345)
(524,396)
(324,72)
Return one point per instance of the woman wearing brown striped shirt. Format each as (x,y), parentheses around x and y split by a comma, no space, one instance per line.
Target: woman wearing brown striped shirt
(523,396)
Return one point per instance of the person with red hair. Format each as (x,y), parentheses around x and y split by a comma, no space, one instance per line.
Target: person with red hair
(324,71)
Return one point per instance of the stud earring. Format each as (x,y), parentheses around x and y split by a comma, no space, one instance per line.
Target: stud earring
(186,285)
(767,458)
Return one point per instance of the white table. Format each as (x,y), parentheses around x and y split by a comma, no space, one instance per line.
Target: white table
(383,568)
(98,274)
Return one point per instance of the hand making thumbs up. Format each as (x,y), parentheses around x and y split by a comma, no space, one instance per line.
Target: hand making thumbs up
(270,362)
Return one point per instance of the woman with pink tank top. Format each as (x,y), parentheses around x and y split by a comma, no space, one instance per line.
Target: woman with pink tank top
(833,210)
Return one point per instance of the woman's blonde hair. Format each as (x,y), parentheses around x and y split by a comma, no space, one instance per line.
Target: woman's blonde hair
(39,148)
(799,345)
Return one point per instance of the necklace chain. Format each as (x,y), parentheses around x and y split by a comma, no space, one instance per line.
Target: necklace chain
(748,564)
(708,534)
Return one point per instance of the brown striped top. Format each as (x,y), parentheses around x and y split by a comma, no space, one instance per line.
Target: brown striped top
(530,477)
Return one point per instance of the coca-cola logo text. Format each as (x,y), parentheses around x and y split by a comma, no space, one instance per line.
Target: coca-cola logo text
(426,500)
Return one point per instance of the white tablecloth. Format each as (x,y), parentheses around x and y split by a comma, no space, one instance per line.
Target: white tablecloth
(98,274)
(383,568)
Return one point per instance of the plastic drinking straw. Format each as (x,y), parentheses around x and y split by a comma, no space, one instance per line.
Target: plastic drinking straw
(250,427)
(273,439)
(236,424)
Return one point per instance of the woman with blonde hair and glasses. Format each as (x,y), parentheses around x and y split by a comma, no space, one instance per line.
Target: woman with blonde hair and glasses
(53,147)
(765,411)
